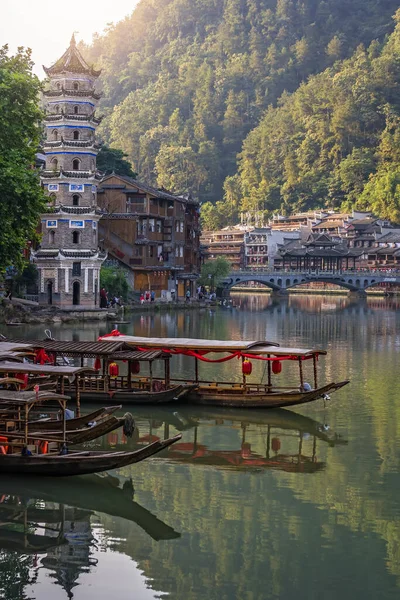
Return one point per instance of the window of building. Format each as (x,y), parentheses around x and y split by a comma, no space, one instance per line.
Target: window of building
(138,250)
(75,237)
(57,108)
(177,226)
(76,269)
(158,226)
(151,251)
(177,252)
(75,200)
(152,225)
(181,226)
(55,134)
(58,85)
(54,164)
(52,237)
(76,110)
(181,251)
(160,253)
(76,86)
(136,205)
(76,135)
(75,164)
(52,199)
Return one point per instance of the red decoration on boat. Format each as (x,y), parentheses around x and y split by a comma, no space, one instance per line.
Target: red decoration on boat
(247,367)
(97,364)
(113,369)
(41,356)
(24,379)
(135,367)
(276,367)
(276,444)
(114,333)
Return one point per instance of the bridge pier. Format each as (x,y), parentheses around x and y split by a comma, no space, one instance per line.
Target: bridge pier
(279,293)
(357,294)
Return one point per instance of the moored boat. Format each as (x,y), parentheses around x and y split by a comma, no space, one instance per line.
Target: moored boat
(244,394)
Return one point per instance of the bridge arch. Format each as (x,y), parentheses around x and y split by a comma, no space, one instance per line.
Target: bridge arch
(270,282)
(339,282)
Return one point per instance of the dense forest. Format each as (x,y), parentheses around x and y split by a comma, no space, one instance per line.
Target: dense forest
(256,104)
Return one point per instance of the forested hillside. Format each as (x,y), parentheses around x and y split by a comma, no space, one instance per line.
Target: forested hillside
(187,81)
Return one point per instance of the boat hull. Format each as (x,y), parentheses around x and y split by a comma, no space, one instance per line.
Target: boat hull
(80,463)
(242,398)
(72,424)
(133,396)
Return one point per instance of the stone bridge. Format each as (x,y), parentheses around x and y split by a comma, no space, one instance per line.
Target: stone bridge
(281,281)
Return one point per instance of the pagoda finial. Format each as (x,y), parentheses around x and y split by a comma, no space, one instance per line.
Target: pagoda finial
(73,41)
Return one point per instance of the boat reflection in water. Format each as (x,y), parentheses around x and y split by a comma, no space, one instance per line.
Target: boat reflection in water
(273,439)
(44,533)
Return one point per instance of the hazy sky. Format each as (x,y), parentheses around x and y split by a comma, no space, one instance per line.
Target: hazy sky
(46,26)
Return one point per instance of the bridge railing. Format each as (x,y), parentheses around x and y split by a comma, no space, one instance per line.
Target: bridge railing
(316,272)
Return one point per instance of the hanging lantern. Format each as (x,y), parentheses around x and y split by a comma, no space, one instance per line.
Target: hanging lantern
(113,369)
(23,378)
(247,367)
(276,367)
(135,367)
(276,444)
(97,363)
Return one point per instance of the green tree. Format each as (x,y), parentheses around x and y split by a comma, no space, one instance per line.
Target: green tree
(112,160)
(114,281)
(22,199)
(214,271)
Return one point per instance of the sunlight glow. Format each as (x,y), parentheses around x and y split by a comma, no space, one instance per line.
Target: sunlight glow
(46,26)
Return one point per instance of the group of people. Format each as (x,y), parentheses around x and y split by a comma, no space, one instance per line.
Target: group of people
(203,295)
(105,302)
(148,296)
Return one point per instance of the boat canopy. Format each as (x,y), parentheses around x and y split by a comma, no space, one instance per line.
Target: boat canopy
(12,367)
(187,343)
(247,347)
(9,397)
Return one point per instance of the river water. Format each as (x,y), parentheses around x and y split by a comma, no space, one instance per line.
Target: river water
(251,505)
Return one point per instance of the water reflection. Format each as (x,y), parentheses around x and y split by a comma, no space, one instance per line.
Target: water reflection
(58,536)
(261,439)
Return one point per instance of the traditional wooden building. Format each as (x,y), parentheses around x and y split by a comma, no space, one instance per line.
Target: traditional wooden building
(319,252)
(154,233)
(228,243)
(68,259)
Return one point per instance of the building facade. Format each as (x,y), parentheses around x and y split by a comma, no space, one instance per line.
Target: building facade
(68,259)
(228,243)
(152,232)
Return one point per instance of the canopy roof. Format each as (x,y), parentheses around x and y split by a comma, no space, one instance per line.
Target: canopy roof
(187,343)
(19,398)
(14,367)
(15,346)
(274,351)
(71,62)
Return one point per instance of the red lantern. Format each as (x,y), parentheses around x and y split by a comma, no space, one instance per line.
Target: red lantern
(247,367)
(276,444)
(24,379)
(97,364)
(276,367)
(113,369)
(135,367)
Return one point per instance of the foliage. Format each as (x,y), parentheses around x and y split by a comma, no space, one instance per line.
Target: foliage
(213,271)
(22,199)
(112,160)
(114,281)
(334,142)
(186,81)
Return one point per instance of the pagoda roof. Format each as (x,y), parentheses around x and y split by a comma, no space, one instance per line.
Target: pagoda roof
(71,62)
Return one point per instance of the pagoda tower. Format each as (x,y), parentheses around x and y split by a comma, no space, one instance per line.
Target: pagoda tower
(68,259)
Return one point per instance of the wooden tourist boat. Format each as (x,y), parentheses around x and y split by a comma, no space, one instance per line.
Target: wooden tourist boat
(244,394)
(71,424)
(19,457)
(103,383)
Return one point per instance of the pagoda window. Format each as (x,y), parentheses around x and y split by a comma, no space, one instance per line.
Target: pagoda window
(75,237)
(75,164)
(58,85)
(76,110)
(57,108)
(76,135)
(52,237)
(52,199)
(75,200)
(76,86)
(55,134)
(54,164)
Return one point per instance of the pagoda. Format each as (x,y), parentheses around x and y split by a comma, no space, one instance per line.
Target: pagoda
(68,259)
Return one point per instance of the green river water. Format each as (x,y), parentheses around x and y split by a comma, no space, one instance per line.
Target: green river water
(289,505)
